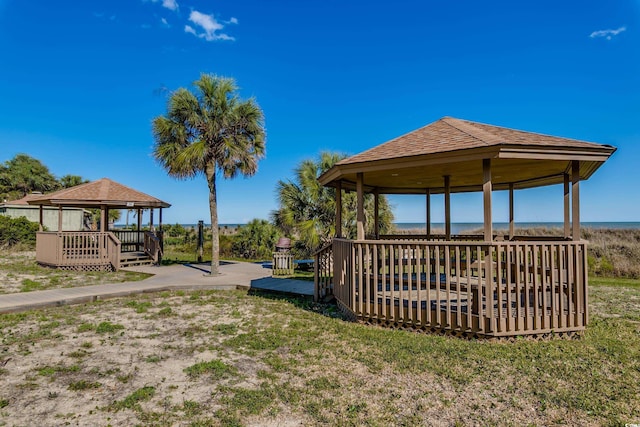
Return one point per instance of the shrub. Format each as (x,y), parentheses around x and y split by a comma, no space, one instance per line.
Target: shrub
(14,231)
(256,240)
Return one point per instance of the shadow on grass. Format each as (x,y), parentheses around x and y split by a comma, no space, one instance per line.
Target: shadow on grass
(304,302)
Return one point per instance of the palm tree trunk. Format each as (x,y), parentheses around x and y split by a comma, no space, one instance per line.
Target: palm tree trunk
(213,208)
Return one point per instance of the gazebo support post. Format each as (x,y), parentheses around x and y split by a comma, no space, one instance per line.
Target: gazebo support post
(360,206)
(139,218)
(567,208)
(575,196)
(151,220)
(447,207)
(102,216)
(511,213)
(486,191)
(428,219)
(376,213)
(339,209)
(59,218)
(41,228)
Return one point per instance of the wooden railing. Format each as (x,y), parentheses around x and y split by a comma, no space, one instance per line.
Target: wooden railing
(131,240)
(152,246)
(493,289)
(433,237)
(78,250)
(323,268)
(282,264)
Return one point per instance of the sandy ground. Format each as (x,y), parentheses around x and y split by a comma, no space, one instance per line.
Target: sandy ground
(185,359)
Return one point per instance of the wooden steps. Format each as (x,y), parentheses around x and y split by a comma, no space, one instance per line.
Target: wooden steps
(130,259)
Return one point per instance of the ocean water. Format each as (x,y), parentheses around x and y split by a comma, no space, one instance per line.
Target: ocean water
(461,227)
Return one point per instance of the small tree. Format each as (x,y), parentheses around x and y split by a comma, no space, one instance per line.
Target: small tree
(24,174)
(308,210)
(210,131)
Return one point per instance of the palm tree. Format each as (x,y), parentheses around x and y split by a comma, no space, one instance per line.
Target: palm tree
(308,210)
(208,132)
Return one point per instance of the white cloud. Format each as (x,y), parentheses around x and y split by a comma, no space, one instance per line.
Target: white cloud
(209,25)
(607,34)
(164,22)
(170,4)
(233,21)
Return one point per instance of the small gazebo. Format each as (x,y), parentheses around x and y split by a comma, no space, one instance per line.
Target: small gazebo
(484,285)
(101,249)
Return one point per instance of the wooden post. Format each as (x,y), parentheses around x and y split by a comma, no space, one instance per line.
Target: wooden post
(376,214)
(339,209)
(360,206)
(447,207)
(138,239)
(486,190)
(41,228)
(151,219)
(161,234)
(567,208)
(575,199)
(428,214)
(59,219)
(200,240)
(103,214)
(511,213)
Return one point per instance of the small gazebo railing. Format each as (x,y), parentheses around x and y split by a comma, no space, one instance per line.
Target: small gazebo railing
(81,250)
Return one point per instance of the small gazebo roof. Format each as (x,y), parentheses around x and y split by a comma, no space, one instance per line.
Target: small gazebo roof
(452,147)
(101,193)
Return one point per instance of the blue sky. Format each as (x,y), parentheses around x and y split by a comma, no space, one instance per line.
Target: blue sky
(80,83)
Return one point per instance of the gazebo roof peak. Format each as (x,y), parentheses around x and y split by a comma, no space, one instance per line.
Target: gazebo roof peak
(418,160)
(450,134)
(102,192)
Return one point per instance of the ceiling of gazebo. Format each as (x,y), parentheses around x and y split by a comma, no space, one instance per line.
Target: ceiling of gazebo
(452,147)
(101,193)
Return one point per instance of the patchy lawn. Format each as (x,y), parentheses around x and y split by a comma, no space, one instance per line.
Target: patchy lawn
(229,358)
(21,273)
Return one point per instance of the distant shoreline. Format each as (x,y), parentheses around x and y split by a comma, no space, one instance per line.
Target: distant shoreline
(457,227)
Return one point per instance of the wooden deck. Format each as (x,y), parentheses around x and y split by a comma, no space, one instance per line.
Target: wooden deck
(475,288)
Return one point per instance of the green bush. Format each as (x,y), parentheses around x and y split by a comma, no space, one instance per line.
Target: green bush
(17,231)
(256,240)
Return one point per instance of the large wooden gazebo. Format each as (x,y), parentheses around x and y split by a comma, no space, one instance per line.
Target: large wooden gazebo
(484,285)
(102,249)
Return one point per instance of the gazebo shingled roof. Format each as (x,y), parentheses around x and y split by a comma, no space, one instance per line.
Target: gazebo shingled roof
(103,192)
(452,147)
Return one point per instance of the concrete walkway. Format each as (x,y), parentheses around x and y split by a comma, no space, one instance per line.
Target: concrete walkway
(234,275)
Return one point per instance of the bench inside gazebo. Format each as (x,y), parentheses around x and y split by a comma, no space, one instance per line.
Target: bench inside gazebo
(103,249)
(484,285)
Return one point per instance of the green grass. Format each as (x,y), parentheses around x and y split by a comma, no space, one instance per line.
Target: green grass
(615,282)
(82,385)
(108,327)
(133,400)
(214,368)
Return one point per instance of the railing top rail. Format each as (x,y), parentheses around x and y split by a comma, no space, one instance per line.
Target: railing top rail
(324,248)
(465,242)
